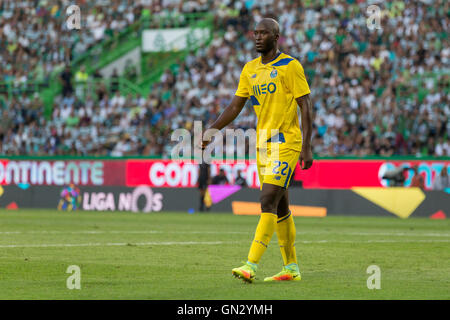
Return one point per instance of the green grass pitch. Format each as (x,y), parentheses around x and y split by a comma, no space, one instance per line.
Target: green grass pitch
(190,256)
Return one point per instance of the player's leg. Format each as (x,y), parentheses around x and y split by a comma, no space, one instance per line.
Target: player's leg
(283,205)
(285,226)
(270,196)
(286,232)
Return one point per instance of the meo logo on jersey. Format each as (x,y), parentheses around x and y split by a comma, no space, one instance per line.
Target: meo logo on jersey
(264,88)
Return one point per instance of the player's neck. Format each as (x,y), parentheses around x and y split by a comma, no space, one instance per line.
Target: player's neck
(268,56)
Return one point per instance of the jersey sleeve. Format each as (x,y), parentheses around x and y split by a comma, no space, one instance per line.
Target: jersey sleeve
(244,85)
(296,80)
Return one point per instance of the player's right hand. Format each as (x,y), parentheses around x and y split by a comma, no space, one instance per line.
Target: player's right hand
(306,158)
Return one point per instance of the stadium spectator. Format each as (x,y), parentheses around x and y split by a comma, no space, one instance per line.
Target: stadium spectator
(376,92)
(66,81)
(114,81)
(442,148)
(81,78)
(204,179)
(417,179)
(221,178)
(240,181)
(442,181)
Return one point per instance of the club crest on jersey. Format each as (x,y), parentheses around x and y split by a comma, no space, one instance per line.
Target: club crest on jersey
(274,73)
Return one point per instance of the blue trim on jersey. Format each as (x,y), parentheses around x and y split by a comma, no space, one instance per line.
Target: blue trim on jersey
(255,101)
(277,138)
(287,178)
(272,59)
(282,62)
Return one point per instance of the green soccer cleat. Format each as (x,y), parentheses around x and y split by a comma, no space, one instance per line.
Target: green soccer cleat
(287,274)
(246,273)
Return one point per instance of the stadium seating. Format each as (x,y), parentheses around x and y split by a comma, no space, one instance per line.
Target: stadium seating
(375,92)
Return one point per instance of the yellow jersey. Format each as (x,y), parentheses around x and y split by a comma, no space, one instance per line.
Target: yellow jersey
(272,89)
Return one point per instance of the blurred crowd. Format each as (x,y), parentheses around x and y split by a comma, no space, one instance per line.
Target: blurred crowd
(375,91)
(35,39)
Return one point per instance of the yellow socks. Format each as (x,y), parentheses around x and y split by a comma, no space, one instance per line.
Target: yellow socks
(286,239)
(285,229)
(264,231)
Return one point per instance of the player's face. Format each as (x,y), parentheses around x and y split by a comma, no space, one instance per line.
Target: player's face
(265,39)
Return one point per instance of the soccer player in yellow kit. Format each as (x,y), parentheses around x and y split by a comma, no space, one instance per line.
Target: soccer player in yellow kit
(275,83)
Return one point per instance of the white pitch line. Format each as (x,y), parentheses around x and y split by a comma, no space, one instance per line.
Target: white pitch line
(399,234)
(111,244)
(119,232)
(375,241)
(78,232)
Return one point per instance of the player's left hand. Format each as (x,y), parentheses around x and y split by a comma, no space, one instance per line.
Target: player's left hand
(306,158)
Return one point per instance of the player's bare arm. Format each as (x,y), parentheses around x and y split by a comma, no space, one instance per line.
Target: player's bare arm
(306,158)
(228,115)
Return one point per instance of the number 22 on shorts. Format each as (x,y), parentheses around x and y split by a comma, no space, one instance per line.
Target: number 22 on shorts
(278,164)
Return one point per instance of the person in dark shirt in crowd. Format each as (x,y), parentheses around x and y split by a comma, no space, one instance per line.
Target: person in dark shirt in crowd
(114,81)
(240,181)
(66,81)
(221,178)
(204,179)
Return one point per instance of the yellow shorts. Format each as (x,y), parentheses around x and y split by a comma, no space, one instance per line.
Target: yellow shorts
(276,168)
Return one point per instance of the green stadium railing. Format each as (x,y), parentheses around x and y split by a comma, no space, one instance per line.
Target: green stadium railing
(150,75)
(113,48)
(102,54)
(88,88)
(116,46)
(170,57)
